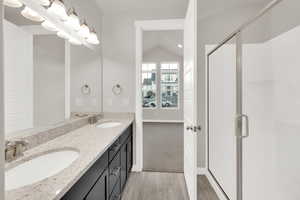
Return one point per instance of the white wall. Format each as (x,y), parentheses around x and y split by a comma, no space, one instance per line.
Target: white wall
(85,69)
(159,55)
(49,80)
(86,64)
(272,103)
(18,53)
(119,56)
(1,105)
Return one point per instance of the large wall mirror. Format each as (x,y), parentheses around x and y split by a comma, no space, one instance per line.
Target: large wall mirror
(45,79)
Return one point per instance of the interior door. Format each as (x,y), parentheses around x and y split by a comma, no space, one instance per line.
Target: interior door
(190,99)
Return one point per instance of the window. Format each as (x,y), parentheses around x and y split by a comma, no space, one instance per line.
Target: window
(169,84)
(149,85)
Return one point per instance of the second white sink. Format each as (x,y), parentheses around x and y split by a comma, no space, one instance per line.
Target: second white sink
(108,124)
(39,168)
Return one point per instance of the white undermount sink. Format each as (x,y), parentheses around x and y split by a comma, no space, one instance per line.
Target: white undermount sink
(108,124)
(39,168)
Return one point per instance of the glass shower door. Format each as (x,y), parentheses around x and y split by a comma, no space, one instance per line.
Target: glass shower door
(224,148)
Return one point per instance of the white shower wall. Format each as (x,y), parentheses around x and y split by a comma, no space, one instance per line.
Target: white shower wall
(271,100)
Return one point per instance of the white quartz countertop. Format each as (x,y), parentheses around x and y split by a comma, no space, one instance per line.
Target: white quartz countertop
(90,141)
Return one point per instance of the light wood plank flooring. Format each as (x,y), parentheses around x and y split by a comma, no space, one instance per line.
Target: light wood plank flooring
(164,186)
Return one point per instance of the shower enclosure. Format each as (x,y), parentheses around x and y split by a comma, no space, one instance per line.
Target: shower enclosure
(254,107)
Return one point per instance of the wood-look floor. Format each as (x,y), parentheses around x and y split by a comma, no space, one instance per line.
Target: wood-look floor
(164,186)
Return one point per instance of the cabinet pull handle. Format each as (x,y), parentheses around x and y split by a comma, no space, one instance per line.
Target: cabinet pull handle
(115,171)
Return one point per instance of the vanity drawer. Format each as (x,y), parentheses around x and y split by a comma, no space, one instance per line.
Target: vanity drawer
(86,182)
(113,150)
(116,193)
(114,171)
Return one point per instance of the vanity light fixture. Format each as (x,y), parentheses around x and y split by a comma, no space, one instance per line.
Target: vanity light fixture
(74,41)
(31,14)
(44,2)
(84,30)
(49,26)
(58,9)
(63,35)
(73,21)
(13,3)
(180,46)
(93,38)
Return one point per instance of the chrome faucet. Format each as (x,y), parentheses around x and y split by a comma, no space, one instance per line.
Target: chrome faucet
(15,149)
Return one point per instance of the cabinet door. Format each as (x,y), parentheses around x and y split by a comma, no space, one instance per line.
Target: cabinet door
(123,165)
(100,189)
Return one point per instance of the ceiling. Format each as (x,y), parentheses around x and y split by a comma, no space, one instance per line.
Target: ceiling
(172,8)
(150,8)
(167,40)
(213,7)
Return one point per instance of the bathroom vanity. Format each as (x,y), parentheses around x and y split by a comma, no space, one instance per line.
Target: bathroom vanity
(100,169)
(106,179)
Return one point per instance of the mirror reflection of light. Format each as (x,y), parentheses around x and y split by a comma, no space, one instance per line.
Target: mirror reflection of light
(49,26)
(13,3)
(31,14)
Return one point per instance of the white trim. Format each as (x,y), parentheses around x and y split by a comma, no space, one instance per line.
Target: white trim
(215,186)
(67,80)
(202,171)
(2,192)
(135,169)
(140,26)
(163,121)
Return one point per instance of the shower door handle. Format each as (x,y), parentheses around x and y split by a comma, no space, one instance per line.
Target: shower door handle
(242,126)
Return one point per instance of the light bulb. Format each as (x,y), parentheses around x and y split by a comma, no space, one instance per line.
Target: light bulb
(58,9)
(63,35)
(32,15)
(49,26)
(73,21)
(84,31)
(75,41)
(13,3)
(93,38)
(44,2)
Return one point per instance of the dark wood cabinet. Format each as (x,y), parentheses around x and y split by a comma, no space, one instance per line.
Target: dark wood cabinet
(106,179)
(100,189)
(123,165)
(129,159)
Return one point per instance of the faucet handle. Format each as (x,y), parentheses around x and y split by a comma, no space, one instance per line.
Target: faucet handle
(9,143)
(22,143)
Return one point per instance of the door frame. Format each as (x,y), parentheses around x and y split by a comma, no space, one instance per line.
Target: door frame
(2,139)
(140,27)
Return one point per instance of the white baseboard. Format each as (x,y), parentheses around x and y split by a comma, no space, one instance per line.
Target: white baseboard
(201,171)
(135,168)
